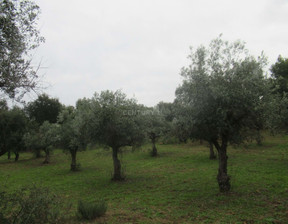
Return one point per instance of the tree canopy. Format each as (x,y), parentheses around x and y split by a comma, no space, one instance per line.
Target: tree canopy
(43,109)
(279,73)
(18,37)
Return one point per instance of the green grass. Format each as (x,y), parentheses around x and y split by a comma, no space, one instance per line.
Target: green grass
(179,186)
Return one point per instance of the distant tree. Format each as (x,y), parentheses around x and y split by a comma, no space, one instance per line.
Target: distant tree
(224,89)
(13,124)
(279,73)
(74,133)
(116,123)
(181,123)
(276,111)
(49,137)
(19,35)
(43,109)
(31,139)
(45,138)
(156,126)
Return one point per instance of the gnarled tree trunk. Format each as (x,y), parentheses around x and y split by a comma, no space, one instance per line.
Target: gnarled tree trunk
(153,140)
(222,177)
(47,156)
(117,165)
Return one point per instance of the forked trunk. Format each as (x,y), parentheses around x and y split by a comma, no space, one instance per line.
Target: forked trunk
(222,177)
(73,161)
(212,153)
(117,165)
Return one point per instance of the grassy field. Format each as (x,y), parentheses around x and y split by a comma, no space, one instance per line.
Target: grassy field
(179,186)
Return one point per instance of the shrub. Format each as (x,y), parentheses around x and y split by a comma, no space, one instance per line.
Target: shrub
(33,205)
(91,210)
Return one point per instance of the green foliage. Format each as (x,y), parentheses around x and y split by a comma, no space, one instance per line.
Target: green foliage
(167,110)
(13,124)
(49,134)
(46,137)
(91,210)
(74,128)
(31,140)
(117,120)
(181,123)
(43,109)
(18,36)
(223,91)
(156,126)
(33,205)
(277,110)
(279,73)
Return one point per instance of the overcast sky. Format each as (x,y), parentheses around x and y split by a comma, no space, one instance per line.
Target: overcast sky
(139,46)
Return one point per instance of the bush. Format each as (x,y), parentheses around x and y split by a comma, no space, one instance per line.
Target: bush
(3,206)
(91,210)
(33,205)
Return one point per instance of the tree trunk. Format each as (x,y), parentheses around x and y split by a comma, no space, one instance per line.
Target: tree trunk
(259,138)
(154,149)
(47,157)
(16,156)
(117,176)
(212,153)
(73,162)
(9,155)
(222,177)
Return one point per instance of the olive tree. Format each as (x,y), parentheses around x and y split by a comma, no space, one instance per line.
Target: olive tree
(45,138)
(19,36)
(116,123)
(74,135)
(49,137)
(156,126)
(224,90)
